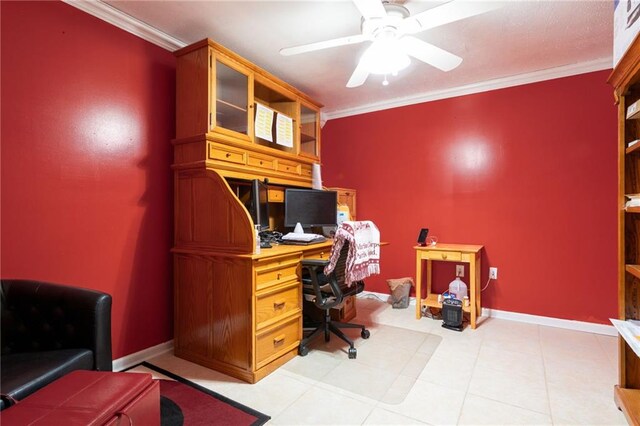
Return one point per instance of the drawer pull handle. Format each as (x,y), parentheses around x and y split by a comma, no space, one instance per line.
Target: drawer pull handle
(278,305)
(228,155)
(278,340)
(279,275)
(261,163)
(444,256)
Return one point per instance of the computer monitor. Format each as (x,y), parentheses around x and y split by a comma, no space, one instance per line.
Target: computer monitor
(310,207)
(259,204)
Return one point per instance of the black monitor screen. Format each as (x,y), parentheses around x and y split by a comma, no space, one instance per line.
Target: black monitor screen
(259,204)
(310,207)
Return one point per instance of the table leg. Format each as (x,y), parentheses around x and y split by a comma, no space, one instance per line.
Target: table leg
(429,266)
(473,286)
(418,285)
(478,286)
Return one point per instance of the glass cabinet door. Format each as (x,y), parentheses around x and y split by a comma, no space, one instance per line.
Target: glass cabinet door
(309,131)
(231,96)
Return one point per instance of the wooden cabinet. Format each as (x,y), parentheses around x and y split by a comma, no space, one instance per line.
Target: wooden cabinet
(347,312)
(347,197)
(309,131)
(626,81)
(235,311)
(218,96)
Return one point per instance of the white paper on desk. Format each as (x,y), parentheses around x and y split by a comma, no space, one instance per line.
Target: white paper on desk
(630,332)
(264,122)
(284,130)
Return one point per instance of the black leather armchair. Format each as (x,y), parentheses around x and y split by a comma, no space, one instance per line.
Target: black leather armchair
(327,292)
(49,330)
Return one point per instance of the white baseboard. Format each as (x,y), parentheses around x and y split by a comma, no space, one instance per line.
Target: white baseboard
(143,355)
(588,327)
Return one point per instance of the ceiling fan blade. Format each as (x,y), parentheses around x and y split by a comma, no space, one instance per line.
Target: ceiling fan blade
(371,8)
(359,76)
(448,12)
(429,53)
(343,41)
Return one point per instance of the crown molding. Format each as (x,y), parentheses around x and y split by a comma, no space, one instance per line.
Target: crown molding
(485,86)
(128,23)
(110,14)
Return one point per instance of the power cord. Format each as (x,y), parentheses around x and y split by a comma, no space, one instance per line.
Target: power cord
(487,285)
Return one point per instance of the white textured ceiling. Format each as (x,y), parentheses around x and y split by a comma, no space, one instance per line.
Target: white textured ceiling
(521,37)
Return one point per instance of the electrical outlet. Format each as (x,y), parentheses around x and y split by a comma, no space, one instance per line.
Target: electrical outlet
(460,271)
(493,273)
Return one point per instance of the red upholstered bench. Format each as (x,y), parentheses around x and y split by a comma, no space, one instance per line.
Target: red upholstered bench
(90,398)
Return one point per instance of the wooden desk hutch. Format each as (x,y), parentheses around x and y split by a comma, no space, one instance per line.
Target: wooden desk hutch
(235,311)
(626,81)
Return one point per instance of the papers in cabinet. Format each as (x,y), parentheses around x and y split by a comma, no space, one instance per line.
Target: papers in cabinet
(634,200)
(284,130)
(633,110)
(264,122)
(630,332)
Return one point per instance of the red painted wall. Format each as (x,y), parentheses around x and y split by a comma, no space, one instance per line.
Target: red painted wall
(87,118)
(528,171)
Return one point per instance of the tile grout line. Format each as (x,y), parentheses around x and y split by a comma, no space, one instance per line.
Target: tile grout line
(466,392)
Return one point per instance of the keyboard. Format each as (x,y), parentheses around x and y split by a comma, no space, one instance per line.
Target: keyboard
(293,238)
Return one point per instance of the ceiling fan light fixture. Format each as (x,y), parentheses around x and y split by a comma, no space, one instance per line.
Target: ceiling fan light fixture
(385,56)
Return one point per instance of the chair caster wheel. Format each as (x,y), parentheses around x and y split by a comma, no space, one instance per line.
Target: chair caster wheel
(303,351)
(352,353)
(365,334)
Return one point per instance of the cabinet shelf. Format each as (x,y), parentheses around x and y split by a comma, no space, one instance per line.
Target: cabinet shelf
(629,402)
(632,209)
(230,105)
(633,148)
(633,270)
(432,302)
(307,138)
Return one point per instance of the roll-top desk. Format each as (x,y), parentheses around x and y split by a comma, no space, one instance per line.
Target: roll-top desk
(235,311)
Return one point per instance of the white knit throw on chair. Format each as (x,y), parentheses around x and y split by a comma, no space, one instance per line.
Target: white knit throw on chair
(363,258)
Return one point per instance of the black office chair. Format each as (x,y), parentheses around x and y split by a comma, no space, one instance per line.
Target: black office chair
(328,292)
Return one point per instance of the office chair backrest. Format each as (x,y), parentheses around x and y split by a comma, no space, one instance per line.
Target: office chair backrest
(341,265)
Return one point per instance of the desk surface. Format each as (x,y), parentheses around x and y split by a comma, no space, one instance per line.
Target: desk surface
(280,249)
(464,248)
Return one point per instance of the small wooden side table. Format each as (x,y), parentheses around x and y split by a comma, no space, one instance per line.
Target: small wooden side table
(466,253)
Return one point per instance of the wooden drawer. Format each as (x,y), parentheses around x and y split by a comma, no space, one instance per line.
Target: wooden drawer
(275,341)
(318,254)
(306,170)
(273,304)
(288,167)
(261,162)
(267,263)
(277,271)
(230,155)
(347,312)
(445,255)
(276,195)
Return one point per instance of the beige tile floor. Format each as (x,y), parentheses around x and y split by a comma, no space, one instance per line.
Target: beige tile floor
(504,372)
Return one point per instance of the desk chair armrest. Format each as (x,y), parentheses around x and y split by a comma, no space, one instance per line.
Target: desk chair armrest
(314,262)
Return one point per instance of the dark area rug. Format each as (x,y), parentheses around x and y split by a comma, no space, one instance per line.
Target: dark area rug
(186,403)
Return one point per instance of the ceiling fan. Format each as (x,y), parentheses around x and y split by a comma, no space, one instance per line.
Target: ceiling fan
(389,27)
